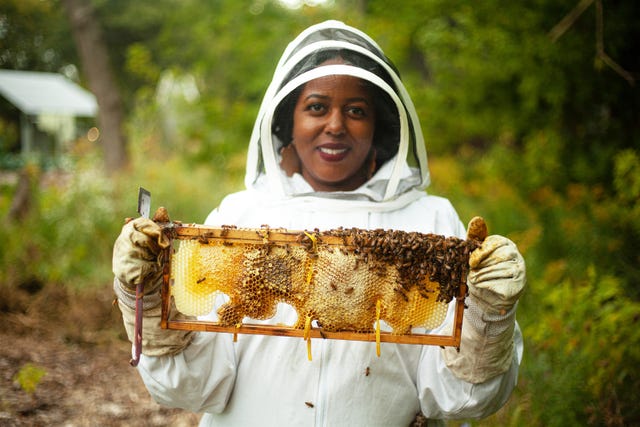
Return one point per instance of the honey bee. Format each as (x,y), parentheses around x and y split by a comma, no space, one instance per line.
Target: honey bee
(402,294)
(225,230)
(367,371)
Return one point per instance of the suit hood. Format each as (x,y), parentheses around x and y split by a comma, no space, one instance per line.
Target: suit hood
(403,160)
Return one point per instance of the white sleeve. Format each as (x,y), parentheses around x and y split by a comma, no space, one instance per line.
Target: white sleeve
(200,378)
(444,396)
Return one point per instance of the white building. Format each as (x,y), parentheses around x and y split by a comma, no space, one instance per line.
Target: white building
(48,108)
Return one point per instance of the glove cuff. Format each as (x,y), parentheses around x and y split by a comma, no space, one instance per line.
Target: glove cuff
(486,347)
(155,340)
(486,319)
(150,300)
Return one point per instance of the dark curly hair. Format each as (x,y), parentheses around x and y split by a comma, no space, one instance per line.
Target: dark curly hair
(386,138)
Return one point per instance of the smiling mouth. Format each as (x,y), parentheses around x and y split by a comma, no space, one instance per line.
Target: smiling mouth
(332,151)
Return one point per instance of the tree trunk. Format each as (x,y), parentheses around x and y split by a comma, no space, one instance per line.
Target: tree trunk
(22,201)
(97,69)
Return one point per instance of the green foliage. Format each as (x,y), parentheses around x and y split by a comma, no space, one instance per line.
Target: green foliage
(627,180)
(625,217)
(480,75)
(34,36)
(29,376)
(582,338)
(71,216)
(579,315)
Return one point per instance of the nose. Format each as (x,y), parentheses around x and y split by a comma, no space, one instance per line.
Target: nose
(335,122)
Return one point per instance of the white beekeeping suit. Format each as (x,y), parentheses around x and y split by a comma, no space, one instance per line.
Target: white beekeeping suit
(268,381)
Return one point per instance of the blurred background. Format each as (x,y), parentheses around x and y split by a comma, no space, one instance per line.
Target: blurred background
(531,115)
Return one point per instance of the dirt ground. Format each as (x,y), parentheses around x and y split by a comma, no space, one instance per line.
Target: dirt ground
(79,344)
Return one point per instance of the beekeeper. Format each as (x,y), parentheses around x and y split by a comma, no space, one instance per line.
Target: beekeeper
(336,143)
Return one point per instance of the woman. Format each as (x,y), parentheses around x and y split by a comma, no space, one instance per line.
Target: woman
(336,143)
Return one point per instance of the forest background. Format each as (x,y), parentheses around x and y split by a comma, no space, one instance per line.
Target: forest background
(530,110)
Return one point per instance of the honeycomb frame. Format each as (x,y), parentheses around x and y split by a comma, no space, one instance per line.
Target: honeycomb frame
(338,241)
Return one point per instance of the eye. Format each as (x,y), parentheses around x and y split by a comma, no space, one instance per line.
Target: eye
(316,108)
(357,111)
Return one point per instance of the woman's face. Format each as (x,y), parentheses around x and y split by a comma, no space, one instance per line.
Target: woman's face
(333,127)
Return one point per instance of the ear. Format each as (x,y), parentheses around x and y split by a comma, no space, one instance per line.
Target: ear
(290,162)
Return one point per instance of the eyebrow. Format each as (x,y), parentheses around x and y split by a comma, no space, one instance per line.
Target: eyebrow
(357,99)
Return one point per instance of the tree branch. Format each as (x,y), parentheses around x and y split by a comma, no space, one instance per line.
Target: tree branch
(567,22)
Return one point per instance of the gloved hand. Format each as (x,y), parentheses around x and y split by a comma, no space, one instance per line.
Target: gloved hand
(496,281)
(497,275)
(135,261)
(135,255)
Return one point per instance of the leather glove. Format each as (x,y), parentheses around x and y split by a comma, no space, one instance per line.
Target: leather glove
(497,275)
(136,261)
(496,281)
(135,255)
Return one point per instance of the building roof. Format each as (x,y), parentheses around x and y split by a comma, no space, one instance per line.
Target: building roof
(37,93)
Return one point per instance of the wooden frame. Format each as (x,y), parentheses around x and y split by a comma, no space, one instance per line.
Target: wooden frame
(176,231)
